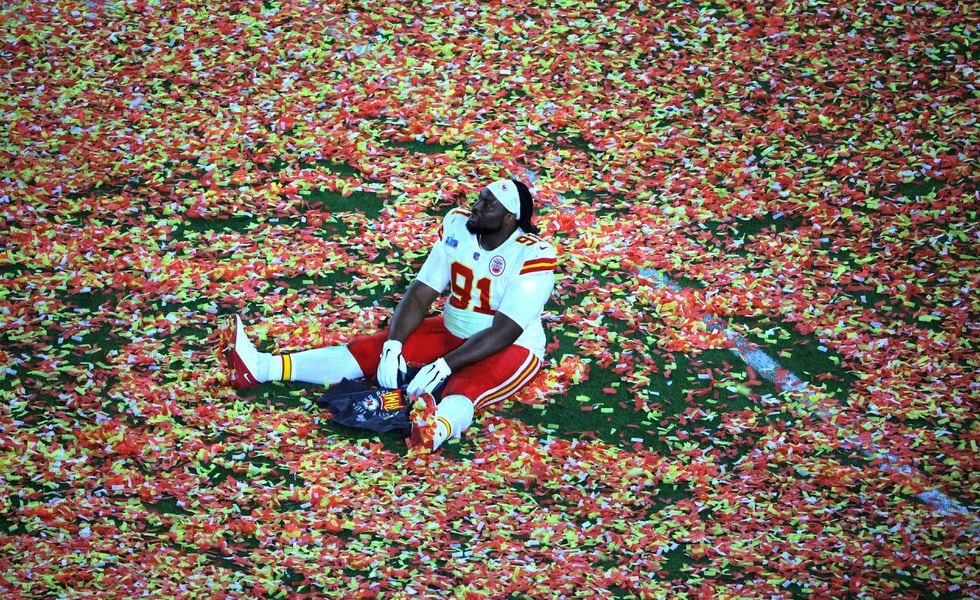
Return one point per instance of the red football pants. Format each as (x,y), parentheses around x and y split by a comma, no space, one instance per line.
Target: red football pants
(486,382)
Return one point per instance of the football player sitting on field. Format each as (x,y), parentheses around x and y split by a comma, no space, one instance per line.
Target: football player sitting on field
(485,346)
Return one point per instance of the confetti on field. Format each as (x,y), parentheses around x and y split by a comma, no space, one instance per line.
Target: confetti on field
(807,171)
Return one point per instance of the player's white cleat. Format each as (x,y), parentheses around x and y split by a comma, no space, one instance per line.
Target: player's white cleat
(243,358)
(423,416)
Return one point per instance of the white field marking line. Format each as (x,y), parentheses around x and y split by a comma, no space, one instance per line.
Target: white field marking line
(756,358)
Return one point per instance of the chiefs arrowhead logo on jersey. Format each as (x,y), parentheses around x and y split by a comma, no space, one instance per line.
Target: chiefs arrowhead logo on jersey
(497,265)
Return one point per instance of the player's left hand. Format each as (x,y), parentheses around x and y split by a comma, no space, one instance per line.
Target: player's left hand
(429,377)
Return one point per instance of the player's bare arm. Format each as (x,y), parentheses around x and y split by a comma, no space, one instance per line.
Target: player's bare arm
(483,344)
(411,310)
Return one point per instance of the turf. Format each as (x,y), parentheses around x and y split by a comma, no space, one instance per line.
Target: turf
(803,174)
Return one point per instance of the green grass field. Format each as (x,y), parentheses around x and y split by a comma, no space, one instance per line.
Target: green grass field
(801,175)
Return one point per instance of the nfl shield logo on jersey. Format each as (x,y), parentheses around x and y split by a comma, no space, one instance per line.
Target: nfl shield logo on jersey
(497,265)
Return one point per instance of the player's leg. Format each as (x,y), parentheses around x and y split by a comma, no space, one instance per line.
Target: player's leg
(453,416)
(427,343)
(324,366)
(479,386)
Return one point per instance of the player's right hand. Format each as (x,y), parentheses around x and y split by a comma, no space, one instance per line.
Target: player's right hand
(392,367)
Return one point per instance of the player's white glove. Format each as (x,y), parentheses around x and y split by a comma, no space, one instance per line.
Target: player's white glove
(392,365)
(429,378)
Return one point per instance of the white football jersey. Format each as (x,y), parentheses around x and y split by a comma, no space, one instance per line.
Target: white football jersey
(516,279)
